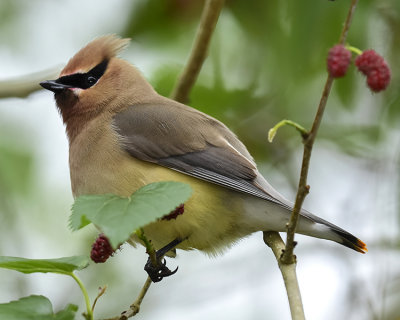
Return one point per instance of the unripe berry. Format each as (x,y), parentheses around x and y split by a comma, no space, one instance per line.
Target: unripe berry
(338,61)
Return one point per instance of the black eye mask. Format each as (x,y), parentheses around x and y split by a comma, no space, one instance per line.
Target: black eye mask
(84,80)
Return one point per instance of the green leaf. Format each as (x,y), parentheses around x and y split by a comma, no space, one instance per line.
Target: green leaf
(119,217)
(84,206)
(159,20)
(68,313)
(62,265)
(35,308)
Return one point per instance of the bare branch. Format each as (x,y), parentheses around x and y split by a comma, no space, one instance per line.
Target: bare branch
(23,86)
(275,242)
(303,188)
(198,54)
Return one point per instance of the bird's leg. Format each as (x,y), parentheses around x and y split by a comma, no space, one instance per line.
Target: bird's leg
(159,270)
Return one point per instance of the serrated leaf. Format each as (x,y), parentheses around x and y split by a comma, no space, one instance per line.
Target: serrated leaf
(62,265)
(35,308)
(119,217)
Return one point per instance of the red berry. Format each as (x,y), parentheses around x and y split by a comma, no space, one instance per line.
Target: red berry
(101,249)
(338,61)
(375,68)
(175,213)
(368,60)
(379,78)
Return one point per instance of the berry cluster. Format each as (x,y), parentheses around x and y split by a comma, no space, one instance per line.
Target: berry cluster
(375,68)
(371,64)
(101,249)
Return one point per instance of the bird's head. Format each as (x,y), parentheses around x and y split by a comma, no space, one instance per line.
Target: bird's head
(95,79)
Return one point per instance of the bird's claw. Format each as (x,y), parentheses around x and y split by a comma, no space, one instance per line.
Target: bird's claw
(159,271)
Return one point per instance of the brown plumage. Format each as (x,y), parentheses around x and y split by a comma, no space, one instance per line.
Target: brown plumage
(123,135)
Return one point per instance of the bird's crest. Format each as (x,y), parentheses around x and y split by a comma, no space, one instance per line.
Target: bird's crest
(96,51)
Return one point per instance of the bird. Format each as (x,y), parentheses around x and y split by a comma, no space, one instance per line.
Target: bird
(123,135)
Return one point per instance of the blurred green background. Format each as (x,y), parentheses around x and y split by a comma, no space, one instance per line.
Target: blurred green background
(266,63)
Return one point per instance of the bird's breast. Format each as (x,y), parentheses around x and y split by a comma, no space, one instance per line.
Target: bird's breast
(98,165)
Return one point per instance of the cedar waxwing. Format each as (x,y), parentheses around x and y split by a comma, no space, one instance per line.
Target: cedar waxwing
(123,135)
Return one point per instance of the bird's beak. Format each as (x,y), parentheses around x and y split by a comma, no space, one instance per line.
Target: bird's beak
(54,86)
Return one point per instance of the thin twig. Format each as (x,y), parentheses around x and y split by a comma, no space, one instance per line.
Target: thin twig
(148,245)
(275,242)
(135,307)
(198,54)
(21,87)
(303,189)
(299,128)
(101,292)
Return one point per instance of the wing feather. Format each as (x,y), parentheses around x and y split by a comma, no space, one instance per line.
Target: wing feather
(189,141)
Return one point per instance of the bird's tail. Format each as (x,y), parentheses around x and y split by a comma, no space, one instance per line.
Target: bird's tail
(310,224)
(350,241)
(326,230)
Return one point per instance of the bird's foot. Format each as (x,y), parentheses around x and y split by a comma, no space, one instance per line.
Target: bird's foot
(159,270)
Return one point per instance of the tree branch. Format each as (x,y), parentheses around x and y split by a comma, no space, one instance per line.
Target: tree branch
(303,189)
(23,86)
(208,21)
(275,242)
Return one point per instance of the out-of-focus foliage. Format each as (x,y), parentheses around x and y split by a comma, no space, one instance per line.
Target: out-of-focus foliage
(15,170)
(276,68)
(267,63)
(161,21)
(16,174)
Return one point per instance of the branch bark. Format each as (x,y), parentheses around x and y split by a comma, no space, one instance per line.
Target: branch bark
(275,242)
(23,86)
(303,189)
(198,54)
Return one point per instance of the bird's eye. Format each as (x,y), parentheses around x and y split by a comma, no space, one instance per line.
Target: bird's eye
(91,80)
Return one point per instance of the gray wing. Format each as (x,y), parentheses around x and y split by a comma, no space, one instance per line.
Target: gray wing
(186,140)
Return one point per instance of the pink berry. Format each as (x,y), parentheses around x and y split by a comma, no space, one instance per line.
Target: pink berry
(379,78)
(375,68)
(338,61)
(368,60)
(101,249)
